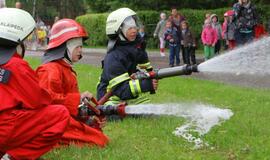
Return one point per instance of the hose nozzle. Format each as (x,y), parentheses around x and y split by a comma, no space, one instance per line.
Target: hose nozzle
(111,110)
(193,68)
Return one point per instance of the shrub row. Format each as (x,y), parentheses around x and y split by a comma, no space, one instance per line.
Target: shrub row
(95,23)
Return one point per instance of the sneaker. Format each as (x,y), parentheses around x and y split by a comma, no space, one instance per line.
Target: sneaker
(162,54)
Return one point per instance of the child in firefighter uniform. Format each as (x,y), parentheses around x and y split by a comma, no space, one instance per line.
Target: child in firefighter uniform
(57,76)
(125,55)
(29,125)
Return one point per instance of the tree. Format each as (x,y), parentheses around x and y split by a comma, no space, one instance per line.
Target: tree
(48,9)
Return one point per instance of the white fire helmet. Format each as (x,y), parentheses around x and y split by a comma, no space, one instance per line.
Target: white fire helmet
(15,26)
(116,19)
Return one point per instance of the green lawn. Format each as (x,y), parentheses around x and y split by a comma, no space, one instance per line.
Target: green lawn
(244,136)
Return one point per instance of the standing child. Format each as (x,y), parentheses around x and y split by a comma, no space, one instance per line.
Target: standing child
(209,38)
(172,36)
(189,43)
(159,31)
(207,16)
(229,34)
(224,29)
(143,37)
(217,26)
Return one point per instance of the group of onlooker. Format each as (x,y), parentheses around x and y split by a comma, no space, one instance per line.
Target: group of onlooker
(241,25)
(176,33)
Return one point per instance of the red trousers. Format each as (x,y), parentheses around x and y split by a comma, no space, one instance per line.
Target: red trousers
(28,134)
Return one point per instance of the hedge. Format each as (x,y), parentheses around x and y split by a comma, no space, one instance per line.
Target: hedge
(95,23)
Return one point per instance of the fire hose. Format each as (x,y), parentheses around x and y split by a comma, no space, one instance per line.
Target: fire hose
(97,108)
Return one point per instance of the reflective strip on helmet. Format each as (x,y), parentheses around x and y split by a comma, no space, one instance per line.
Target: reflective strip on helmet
(63,32)
(117,80)
(135,87)
(145,66)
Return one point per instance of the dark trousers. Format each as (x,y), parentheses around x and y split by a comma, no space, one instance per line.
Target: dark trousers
(174,54)
(243,38)
(189,55)
(217,46)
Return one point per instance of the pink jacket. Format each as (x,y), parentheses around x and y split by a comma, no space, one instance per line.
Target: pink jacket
(209,36)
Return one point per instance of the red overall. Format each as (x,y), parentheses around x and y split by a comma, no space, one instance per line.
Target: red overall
(29,125)
(61,82)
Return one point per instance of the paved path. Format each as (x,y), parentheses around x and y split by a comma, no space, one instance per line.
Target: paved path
(94,57)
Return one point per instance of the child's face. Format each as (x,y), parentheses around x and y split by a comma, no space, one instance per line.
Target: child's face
(184,26)
(168,24)
(214,19)
(163,16)
(141,30)
(230,18)
(131,34)
(207,15)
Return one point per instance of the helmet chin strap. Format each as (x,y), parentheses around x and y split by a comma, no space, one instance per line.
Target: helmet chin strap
(122,36)
(21,49)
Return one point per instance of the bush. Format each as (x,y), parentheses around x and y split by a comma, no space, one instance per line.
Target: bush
(95,23)
(95,26)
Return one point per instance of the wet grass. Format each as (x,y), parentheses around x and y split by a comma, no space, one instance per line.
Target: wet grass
(244,136)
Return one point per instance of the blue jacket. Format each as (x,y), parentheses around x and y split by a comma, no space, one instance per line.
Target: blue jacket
(118,65)
(172,33)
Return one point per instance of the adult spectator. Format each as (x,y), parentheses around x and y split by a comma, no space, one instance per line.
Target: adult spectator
(159,31)
(176,18)
(245,18)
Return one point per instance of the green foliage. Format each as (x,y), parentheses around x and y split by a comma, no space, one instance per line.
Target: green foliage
(95,23)
(99,6)
(95,26)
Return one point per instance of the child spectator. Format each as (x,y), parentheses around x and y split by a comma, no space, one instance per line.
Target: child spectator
(41,34)
(207,16)
(172,36)
(189,43)
(217,26)
(229,34)
(209,38)
(143,37)
(224,28)
(159,31)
